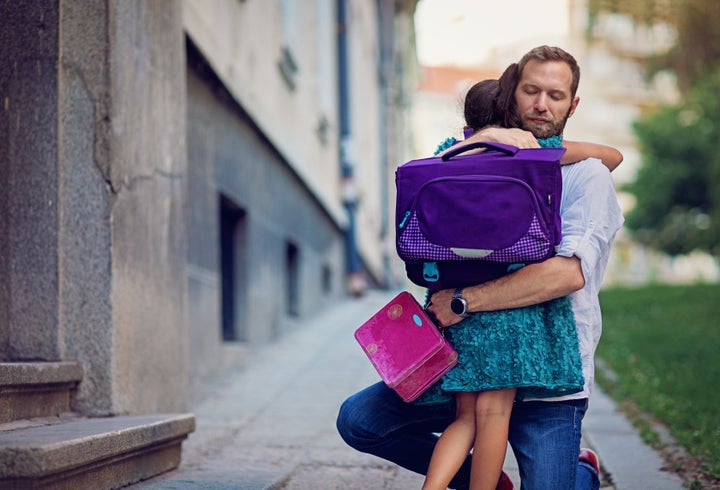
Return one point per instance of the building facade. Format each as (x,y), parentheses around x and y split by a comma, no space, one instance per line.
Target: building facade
(290,146)
(181,179)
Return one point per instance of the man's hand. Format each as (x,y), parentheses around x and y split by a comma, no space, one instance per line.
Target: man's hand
(439,309)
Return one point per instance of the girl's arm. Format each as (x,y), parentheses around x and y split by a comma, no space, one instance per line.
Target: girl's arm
(580,150)
(576,150)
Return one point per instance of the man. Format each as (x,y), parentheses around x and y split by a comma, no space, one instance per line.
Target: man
(544,434)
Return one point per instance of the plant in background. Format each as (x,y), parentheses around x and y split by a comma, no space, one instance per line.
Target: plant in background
(677,187)
(660,343)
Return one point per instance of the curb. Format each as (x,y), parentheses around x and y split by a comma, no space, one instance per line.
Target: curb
(627,463)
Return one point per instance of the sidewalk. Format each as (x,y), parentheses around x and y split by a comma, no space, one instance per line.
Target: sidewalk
(271,425)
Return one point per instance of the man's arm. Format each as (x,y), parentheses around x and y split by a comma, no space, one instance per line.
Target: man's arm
(532,284)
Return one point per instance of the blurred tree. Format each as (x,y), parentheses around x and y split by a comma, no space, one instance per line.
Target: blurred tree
(698,44)
(677,187)
(695,22)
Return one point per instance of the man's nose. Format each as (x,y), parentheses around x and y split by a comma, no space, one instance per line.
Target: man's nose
(541,102)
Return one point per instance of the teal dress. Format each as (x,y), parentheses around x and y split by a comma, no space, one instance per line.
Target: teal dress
(534,348)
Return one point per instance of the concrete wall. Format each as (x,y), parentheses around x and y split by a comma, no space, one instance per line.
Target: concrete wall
(85,201)
(148,163)
(146,142)
(243,44)
(246,58)
(29,321)
(93,229)
(228,157)
(267,140)
(366,108)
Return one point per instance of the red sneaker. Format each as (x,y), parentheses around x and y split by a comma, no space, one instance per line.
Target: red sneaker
(590,457)
(505,483)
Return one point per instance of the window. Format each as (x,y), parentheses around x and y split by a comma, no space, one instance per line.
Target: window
(232,256)
(292,268)
(326,279)
(290,37)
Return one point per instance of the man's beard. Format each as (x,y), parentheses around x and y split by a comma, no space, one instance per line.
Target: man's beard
(550,128)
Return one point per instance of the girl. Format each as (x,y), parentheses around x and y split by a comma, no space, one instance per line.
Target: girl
(529,352)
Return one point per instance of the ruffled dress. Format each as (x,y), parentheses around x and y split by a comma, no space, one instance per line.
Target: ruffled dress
(534,348)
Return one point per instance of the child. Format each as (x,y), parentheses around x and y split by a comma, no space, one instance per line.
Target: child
(527,352)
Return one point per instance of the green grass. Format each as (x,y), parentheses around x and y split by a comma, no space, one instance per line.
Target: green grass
(663,343)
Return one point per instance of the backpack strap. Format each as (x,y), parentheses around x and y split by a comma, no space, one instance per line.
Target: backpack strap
(431,273)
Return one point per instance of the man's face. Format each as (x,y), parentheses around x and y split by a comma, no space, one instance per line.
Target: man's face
(543,97)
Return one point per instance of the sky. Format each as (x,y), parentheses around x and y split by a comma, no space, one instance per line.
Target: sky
(463,32)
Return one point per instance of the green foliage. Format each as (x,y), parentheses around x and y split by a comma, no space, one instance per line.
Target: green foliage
(663,344)
(677,187)
(698,44)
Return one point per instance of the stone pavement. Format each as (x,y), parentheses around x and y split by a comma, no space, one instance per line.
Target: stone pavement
(271,424)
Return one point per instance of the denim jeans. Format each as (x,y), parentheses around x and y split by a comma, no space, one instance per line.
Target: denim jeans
(545,437)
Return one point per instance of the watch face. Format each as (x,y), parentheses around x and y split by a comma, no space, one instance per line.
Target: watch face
(457,306)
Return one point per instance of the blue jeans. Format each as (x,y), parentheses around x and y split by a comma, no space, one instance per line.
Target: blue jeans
(545,437)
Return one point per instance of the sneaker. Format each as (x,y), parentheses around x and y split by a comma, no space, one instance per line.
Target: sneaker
(590,457)
(505,483)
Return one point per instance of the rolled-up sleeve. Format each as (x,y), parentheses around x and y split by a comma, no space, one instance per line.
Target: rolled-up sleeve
(591,217)
(590,214)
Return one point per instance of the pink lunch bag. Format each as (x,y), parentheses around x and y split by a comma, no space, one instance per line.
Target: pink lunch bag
(405,346)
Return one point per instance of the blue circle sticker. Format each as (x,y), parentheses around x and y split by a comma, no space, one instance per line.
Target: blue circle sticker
(418,320)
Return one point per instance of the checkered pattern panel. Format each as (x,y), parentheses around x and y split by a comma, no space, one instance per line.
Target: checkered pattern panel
(533,245)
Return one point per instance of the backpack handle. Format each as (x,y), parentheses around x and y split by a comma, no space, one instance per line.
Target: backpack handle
(502,148)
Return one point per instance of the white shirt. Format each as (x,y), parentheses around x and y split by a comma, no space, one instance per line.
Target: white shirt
(590,216)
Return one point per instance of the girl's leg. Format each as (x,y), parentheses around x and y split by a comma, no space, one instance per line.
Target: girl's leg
(378,422)
(492,419)
(454,444)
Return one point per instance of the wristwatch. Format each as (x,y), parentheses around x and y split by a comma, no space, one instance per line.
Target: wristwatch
(458,304)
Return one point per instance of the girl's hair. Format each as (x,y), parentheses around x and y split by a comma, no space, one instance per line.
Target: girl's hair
(480,105)
(504,102)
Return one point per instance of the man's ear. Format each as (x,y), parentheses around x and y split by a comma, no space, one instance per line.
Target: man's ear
(573,106)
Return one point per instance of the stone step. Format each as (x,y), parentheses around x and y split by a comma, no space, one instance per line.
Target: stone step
(97,453)
(36,389)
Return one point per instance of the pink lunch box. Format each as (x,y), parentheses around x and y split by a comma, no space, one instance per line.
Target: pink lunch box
(406,348)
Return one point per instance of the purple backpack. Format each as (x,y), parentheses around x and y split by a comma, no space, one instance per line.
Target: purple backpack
(466,219)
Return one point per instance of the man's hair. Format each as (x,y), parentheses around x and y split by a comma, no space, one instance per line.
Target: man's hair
(508,81)
(553,53)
